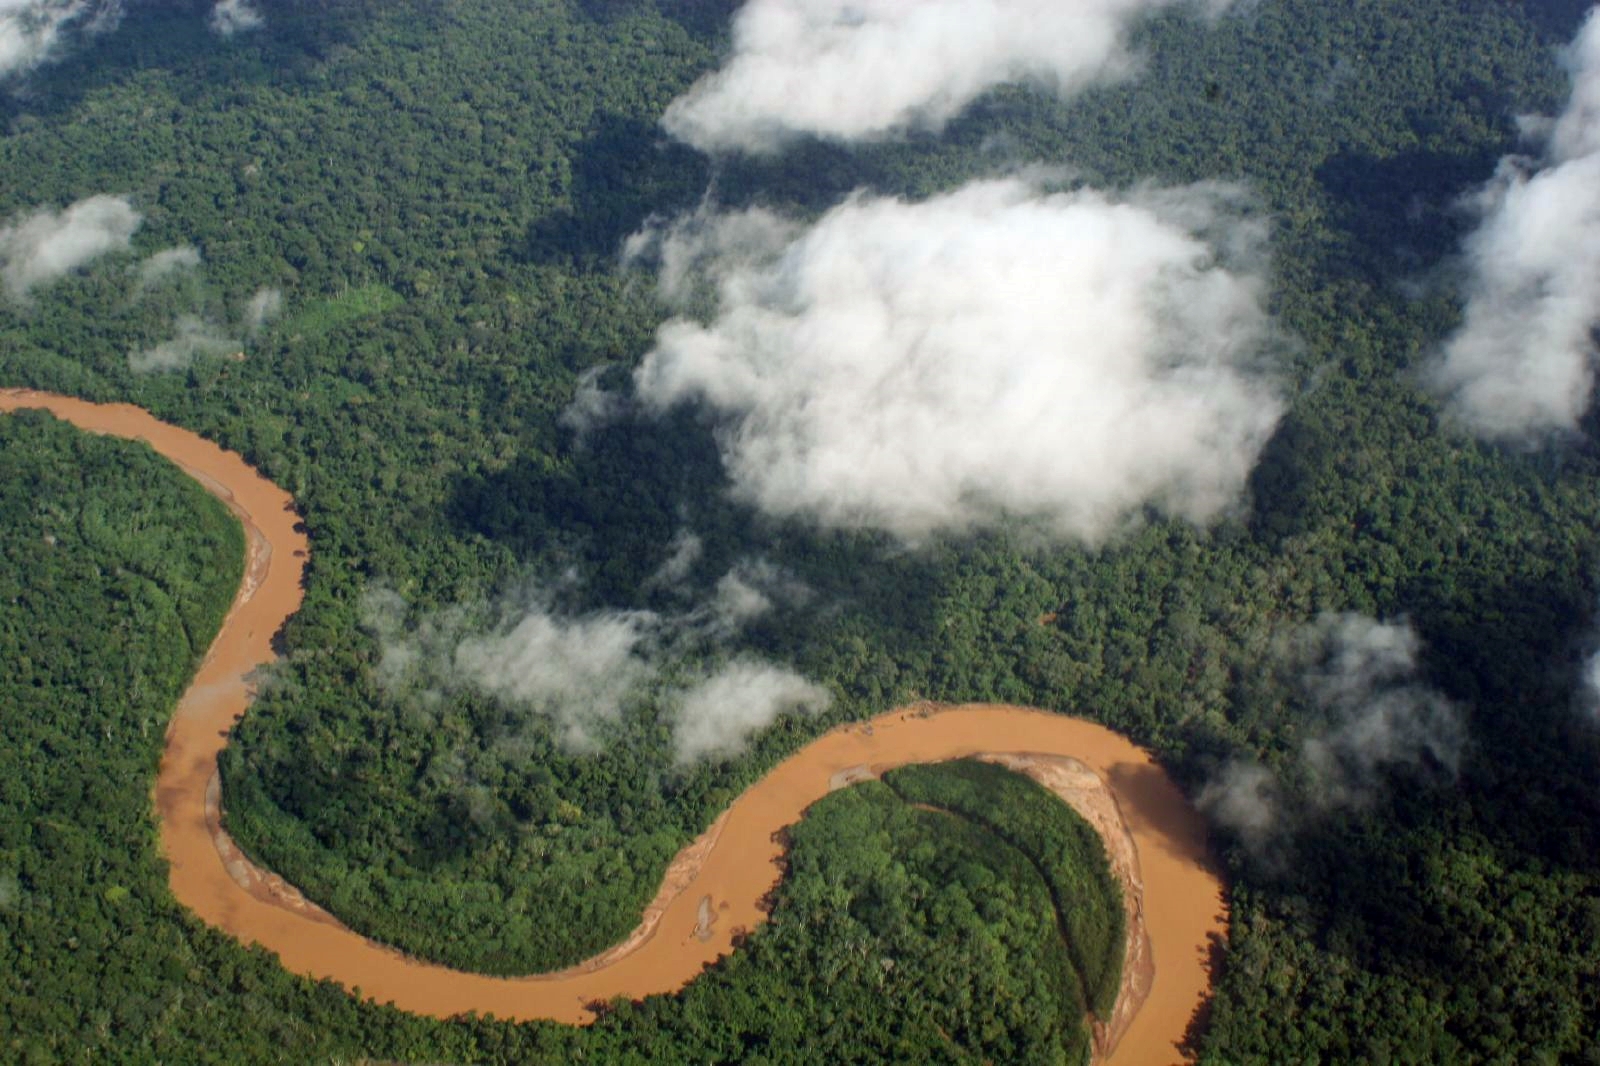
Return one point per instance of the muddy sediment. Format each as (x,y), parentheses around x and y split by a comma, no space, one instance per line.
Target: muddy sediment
(734,865)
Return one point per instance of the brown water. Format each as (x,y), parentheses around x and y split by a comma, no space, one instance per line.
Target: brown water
(719,898)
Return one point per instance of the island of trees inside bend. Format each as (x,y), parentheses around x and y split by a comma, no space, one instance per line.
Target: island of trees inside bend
(383,252)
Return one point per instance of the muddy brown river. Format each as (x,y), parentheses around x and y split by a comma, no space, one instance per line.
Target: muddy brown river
(712,892)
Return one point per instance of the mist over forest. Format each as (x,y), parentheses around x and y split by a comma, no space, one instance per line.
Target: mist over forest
(663,383)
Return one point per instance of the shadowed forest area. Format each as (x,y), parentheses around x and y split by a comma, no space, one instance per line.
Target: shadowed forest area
(439,196)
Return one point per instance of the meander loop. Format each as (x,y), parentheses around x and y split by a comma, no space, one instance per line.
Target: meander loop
(730,870)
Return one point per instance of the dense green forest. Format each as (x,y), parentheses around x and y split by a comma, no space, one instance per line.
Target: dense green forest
(1069,855)
(896,930)
(439,192)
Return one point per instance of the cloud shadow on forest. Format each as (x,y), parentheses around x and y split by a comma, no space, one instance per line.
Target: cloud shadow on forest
(1398,214)
(624,171)
(702,18)
(1525,799)
(615,508)
(627,171)
(1494,644)
(303,37)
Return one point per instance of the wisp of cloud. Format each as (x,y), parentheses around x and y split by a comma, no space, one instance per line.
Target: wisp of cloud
(860,69)
(719,714)
(1361,675)
(193,337)
(167,263)
(264,305)
(1591,686)
(46,245)
(1066,357)
(32,30)
(582,672)
(229,17)
(1522,362)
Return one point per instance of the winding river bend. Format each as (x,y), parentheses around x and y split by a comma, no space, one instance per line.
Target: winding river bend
(714,889)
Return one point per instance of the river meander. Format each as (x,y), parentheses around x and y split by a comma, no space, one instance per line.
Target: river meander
(725,874)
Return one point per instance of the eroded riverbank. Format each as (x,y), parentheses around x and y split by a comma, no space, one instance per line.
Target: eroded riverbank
(724,875)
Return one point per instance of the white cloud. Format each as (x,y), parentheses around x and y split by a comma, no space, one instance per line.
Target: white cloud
(1066,357)
(592,406)
(720,714)
(193,336)
(1522,362)
(738,600)
(1361,675)
(584,671)
(43,246)
(229,17)
(1379,716)
(31,30)
(857,69)
(750,589)
(264,305)
(1247,798)
(579,671)
(682,555)
(167,262)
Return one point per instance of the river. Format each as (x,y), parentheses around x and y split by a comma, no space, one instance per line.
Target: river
(725,879)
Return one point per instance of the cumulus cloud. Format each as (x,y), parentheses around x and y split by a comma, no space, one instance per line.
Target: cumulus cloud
(1360,674)
(718,715)
(739,600)
(229,17)
(45,245)
(193,337)
(750,589)
(1522,362)
(162,265)
(585,671)
(31,31)
(580,671)
(1380,716)
(1068,357)
(860,69)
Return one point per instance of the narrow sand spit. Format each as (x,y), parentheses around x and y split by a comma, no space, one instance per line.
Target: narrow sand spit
(714,890)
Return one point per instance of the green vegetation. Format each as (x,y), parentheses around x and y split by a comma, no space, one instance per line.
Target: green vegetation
(900,935)
(483,161)
(321,317)
(1066,851)
(117,570)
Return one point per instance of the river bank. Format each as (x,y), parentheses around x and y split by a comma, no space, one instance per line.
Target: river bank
(725,874)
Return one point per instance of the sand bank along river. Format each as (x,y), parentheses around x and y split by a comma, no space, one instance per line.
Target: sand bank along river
(714,889)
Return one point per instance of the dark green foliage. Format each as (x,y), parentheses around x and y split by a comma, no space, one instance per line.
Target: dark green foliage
(439,190)
(1066,851)
(115,571)
(900,935)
